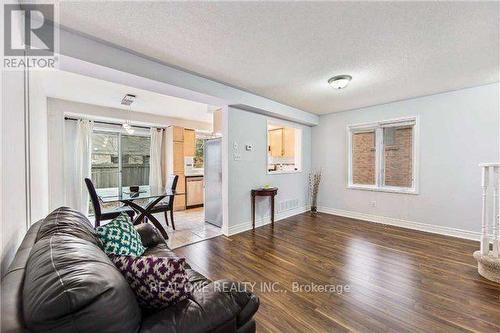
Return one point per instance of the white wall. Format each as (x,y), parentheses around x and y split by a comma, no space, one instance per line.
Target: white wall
(14,211)
(14,200)
(38,148)
(458,130)
(57,108)
(250,171)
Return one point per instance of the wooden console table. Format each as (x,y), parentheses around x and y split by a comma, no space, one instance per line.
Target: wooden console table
(263,192)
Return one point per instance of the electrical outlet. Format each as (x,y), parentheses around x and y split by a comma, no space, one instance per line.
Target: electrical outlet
(373,203)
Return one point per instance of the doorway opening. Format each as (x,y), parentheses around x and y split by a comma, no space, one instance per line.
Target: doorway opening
(124,153)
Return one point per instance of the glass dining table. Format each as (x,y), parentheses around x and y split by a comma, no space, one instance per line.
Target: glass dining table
(150,194)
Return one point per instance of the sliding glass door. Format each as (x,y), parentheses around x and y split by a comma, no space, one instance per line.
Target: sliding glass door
(119,160)
(106,159)
(134,160)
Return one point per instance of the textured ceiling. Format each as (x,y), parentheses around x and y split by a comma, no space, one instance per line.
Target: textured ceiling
(286,51)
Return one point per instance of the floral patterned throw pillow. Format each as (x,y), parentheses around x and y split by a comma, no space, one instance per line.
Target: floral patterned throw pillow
(156,281)
(120,237)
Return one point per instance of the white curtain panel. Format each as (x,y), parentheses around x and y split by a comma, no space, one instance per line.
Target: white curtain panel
(155,157)
(164,154)
(78,154)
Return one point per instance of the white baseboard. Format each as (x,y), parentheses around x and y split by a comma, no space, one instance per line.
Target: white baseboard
(435,229)
(240,227)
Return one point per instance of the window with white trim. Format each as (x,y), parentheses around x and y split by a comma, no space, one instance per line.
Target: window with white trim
(383,156)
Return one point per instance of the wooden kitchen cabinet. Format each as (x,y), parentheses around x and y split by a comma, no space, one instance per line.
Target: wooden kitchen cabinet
(178,157)
(181,184)
(180,202)
(282,142)
(175,163)
(180,197)
(178,133)
(276,142)
(217,121)
(189,142)
(288,142)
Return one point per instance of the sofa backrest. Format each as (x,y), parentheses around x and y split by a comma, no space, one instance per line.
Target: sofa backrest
(69,284)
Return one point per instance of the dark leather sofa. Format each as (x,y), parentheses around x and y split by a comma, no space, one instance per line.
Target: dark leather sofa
(61,281)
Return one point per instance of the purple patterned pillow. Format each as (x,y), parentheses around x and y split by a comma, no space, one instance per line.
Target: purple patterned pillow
(156,281)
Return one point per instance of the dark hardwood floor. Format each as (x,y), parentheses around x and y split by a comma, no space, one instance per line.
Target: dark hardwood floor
(400,280)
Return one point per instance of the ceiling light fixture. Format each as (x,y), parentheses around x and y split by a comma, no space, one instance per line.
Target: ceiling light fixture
(128,100)
(340,81)
(128,128)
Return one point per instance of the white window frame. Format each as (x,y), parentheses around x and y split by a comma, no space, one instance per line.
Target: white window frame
(378,127)
(298,147)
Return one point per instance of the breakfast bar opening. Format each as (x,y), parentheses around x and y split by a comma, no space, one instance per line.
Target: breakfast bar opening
(284,144)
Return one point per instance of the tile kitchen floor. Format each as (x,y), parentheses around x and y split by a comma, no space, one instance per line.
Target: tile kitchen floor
(190,227)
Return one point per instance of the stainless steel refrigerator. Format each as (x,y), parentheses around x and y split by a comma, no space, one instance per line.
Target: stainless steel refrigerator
(212,157)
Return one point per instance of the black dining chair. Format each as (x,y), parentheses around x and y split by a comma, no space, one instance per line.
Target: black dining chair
(168,205)
(99,215)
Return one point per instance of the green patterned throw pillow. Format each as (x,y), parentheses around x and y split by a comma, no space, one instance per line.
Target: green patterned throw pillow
(120,237)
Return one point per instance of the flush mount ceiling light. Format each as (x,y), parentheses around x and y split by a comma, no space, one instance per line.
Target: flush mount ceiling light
(339,81)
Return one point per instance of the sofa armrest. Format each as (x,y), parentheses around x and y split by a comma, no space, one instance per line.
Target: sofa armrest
(150,236)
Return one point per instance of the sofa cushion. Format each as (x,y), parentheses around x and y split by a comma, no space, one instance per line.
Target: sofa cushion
(70,285)
(120,237)
(150,236)
(157,282)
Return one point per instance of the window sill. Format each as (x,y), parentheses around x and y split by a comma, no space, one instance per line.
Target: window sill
(280,172)
(383,189)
